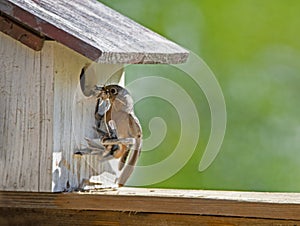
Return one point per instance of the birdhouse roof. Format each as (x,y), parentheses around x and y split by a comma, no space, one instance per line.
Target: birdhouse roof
(88,27)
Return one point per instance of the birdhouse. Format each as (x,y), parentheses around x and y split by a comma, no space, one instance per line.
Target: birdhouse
(51,55)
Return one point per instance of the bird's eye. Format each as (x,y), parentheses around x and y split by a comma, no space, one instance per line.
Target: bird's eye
(113,91)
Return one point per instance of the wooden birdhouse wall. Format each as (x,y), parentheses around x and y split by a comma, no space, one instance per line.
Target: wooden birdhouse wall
(25,116)
(44,117)
(74,117)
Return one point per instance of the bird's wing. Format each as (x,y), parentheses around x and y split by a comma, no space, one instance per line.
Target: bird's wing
(128,160)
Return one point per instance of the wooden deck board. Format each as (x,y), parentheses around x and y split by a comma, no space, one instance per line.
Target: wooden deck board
(20,216)
(158,206)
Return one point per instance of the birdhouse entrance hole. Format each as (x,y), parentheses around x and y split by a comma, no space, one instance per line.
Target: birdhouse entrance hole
(99,74)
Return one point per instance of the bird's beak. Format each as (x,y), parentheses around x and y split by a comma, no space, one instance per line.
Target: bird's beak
(100,92)
(98,88)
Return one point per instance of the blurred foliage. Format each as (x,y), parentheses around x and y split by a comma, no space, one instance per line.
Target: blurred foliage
(253,47)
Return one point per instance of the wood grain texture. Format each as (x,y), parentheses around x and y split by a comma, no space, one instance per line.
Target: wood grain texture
(242,196)
(46,116)
(96,31)
(20,117)
(20,216)
(133,206)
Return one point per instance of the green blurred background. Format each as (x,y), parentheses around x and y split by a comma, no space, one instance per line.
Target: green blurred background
(253,48)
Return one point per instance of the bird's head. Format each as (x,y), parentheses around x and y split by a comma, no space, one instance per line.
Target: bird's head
(110,92)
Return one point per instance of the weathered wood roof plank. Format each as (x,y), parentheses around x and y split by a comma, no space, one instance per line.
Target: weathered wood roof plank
(95,31)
